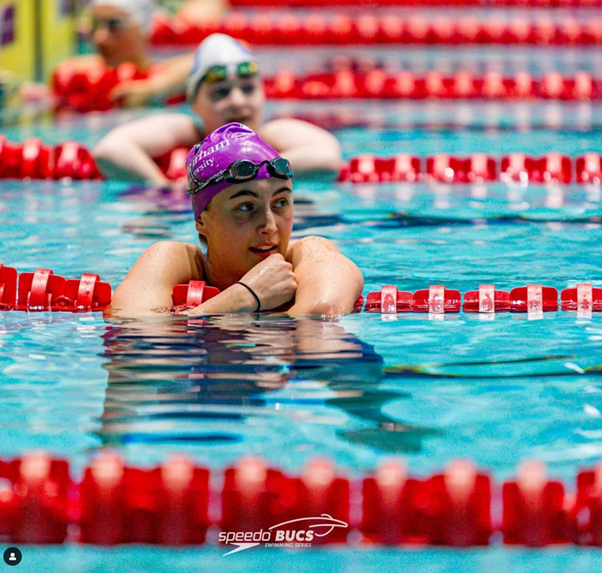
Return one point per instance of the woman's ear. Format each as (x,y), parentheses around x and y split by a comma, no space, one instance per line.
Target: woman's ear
(200,226)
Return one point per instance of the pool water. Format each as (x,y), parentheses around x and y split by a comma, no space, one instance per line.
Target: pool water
(356,389)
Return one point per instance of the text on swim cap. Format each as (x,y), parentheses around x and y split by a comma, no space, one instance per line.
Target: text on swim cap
(210,151)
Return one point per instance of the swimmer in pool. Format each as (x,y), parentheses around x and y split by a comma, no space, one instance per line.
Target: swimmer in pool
(120,31)
(224,86)
(241,193)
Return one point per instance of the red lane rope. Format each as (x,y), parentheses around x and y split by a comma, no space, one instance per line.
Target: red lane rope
(379,84)
(42,290)
(437,299)
(368,28)
(429,3)
(475,168)
(86,90)
(36,160)
(176,503)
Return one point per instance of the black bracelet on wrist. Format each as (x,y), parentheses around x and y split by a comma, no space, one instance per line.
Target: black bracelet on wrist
(253,293)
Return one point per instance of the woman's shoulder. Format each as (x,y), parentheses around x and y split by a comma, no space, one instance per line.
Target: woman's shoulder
(308,245)
(180,258)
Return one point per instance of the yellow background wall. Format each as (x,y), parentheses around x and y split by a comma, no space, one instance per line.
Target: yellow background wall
(18,57)
(56,42)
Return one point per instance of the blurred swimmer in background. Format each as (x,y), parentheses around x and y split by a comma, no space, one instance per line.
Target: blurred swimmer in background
(224,86)
(120,32)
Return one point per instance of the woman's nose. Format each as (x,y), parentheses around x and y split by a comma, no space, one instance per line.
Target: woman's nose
(237,97)
(268,223)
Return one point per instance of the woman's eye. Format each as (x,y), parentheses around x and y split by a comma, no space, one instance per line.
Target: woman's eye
(221,94)
(245,207)
(281,203)
(248,89)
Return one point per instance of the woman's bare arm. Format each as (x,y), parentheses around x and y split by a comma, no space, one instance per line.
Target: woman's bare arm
(127,151)
(170,79)
(329,283)
(148,286)
(308,147)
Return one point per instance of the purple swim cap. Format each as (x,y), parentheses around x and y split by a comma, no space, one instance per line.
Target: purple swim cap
(227,144)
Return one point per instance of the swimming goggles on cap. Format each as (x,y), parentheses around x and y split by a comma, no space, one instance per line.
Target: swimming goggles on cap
(219,73)
(244,170)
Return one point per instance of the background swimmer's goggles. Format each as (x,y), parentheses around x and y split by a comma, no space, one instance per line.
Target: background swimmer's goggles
(219,73)
(113,25)
(244,170)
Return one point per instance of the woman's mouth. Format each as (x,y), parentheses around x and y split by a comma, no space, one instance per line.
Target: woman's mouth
(264,250)
(240,119)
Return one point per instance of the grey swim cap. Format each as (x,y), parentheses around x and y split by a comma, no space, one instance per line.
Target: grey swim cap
(141,11)
(215,50)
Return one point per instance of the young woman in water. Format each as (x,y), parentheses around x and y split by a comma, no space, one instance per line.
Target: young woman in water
(241,193)
(224,86)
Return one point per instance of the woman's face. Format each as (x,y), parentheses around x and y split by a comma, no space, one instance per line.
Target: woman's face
(246,223)
(234,99)
(116,36)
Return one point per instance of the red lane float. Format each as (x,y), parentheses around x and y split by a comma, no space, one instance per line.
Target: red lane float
(437,299)
(534,509)
(68,160)
(177,502)
(42,290)
(315,28)
(453,508)
(85,90)
(167,505)
(89,89)
(378,84)
(476,168)
(587,511)
(35,160)
(192,293)
(486,300)
(34,505)
(256,497)
(426,3)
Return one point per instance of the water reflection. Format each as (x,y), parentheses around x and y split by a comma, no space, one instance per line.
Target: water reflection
(228,379)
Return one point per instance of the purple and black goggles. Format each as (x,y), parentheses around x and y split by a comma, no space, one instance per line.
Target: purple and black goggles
(241,171)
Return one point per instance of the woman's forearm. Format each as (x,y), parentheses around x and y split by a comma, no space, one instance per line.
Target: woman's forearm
(125,160)
(234,299)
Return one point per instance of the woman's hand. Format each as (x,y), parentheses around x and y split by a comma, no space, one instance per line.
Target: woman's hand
(273,281)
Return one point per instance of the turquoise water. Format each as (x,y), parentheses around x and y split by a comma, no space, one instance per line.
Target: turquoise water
(137,560)
(356,389)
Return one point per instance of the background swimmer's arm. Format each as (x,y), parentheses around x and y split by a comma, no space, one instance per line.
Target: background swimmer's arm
(126,152)
(82,63)
(170,79)
(202,10)
(329,283)
(148,286)
(308,147)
